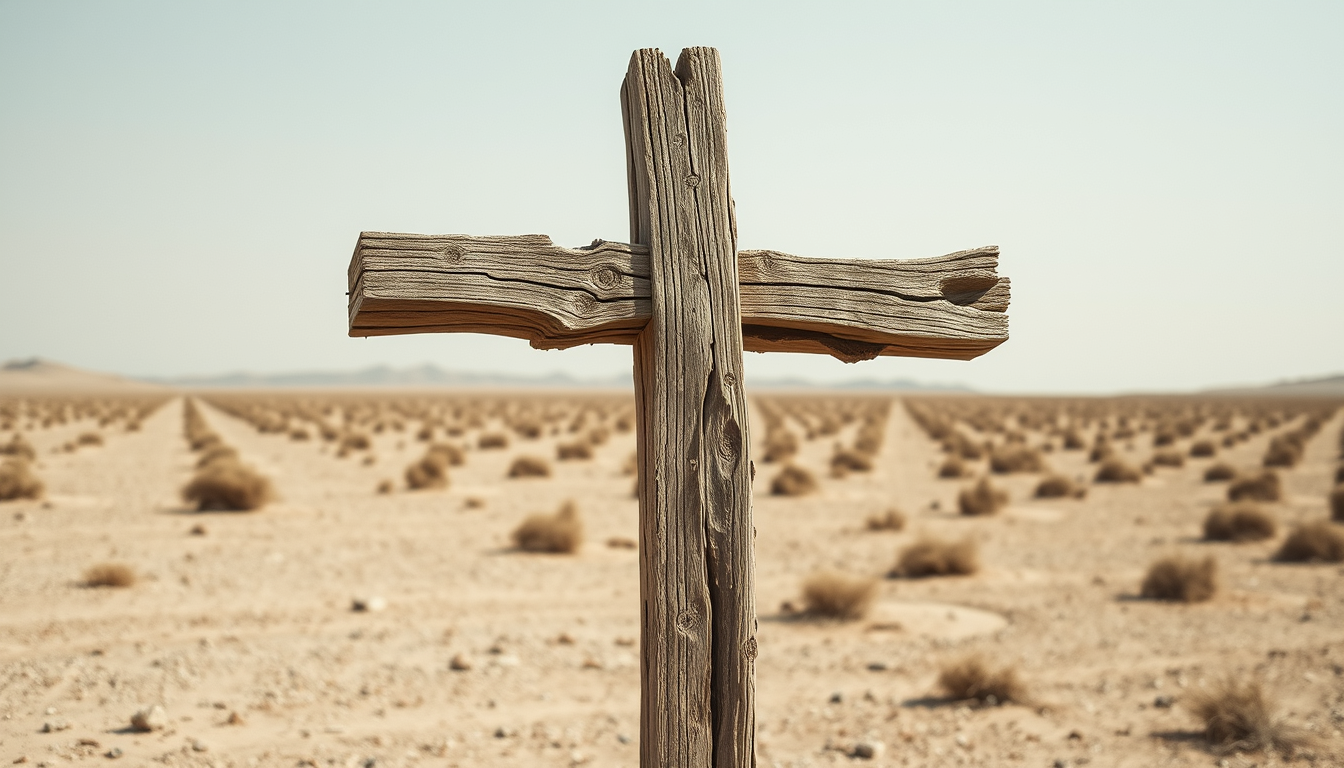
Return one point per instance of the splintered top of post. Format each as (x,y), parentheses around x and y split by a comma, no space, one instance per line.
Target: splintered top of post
(527,287)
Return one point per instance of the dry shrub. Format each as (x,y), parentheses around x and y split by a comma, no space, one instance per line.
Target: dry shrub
(1262,486)
(891,520)
(833,595)
(938,557)
(90,438)
(1114,470)
(1238,522)
(1203,449)
(108,575)
(561,533)
(981,499)
(1282,453)
(1337,503)
(19,448)
(971,678)
(529,466)
(780,445)
(430,471)
(1181,579)
(214,453)
(793,480)
(384,487)
(17,481)
(1073,441)
(299,435)
(846,460)
(528,429)
(576,451)
(954,467)
(1059,487)
(1220,472)
(227,486)
(447,453)
(1168,458)
(1240,716)
(1015,458)
(1314,542)
(491,441)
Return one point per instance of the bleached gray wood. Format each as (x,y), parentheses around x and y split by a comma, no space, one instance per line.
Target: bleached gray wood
(948,306)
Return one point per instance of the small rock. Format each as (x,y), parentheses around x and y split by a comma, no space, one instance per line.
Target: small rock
(113,753)
(621,737)
(460,663)
(1061,763)
(198,530)
(500,733)
(371,604)
(1164,702)
(150,719)
(877,666)
(837,697)
(52,726)
(86,742)
(235,719)
(51,710)
(370,762)
(20,758)
(867,750)
(962,741)
(199,746)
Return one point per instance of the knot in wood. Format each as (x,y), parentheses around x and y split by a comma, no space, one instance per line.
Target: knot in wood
(453,253)
(688,622)
(584,304)
(605,277)
(730,442)
(692,181)
(749,649)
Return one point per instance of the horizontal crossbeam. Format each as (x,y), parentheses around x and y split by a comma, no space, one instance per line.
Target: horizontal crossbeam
(527,287)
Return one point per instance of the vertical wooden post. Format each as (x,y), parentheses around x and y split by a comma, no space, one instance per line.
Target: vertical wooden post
(698,633)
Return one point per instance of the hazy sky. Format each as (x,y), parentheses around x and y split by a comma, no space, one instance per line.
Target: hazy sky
(181,184)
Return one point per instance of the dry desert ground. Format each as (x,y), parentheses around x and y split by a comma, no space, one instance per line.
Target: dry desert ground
(244,626)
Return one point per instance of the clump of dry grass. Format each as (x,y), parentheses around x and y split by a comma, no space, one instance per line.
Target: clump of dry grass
(490,441)
(561,533)
(227,486)
(1220,472)
(108,575)
(384,487)
(937,557)
(1181,579)
(1337,503)
(846,460)
(972,678)
(1315,542)
(1168,458)
(891,520)
(1238,522)
(1014,457)
(17,481)
(576,451)
(780,445)
(953,466)
(793,480)
(1058,487)
(1203,449)
(1262,486)
(19,448)
(981,499)
(1283,452)
(833,595)
(430,471)
(1115,470)
(529,466)
(215,453)
(1240,716)
(90,438)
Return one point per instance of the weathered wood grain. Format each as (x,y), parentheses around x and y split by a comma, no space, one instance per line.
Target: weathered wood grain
(947,307)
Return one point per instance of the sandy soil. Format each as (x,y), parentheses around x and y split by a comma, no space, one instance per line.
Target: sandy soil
(252,621)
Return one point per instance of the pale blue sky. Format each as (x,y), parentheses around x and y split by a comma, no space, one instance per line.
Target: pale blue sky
(181,184)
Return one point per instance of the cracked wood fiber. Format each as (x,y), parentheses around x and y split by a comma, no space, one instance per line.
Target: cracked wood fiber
(698,614)
(945,307)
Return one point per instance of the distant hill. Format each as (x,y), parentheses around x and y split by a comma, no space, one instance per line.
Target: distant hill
(40,376)
(1325,386)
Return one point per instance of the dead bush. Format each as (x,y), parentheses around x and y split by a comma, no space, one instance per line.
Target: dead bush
(529,466)
(431,470)
(576,451)
(780,445)
(528,429)
(1220,472)
(891,520)
(384,487)
(491,441)
(1115,470)
(1262,486)
(953,467)
(1181,579)
(1168,458)
(1202,449)
(108,575)
(1239,716)
(447,453)
(1073,441)
(846,460)
(1315,542)
(1059,487)
(90,438)
(981,499)
(561,533)
(17,481)
(1238,522)
(227,486)
(1007,459)
(972,678)
(299,435)
(937,557)
(1337,503)
(793,480)
(1282,452)
(832,595)
(19,448)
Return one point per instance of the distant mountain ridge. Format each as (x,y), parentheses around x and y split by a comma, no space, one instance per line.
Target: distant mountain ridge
(1323,386)
(40,376)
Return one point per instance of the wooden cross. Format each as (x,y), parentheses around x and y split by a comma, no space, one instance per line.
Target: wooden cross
(690,303)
